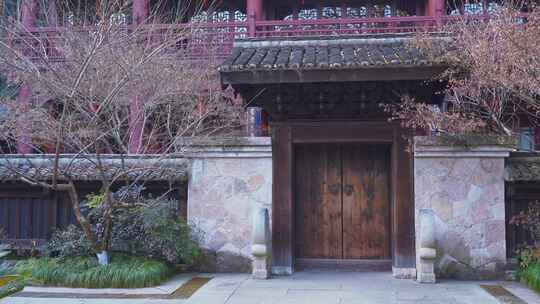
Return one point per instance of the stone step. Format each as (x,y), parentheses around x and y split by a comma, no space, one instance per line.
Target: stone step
(353,265)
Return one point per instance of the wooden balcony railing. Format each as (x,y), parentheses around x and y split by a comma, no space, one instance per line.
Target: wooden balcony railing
(215,40)
(344,27)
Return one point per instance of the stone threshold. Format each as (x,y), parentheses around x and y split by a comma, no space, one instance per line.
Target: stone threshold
(178,287)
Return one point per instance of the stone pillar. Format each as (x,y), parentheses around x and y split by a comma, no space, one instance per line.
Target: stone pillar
(229,180)
(427,252)
(261,244)
(464,186)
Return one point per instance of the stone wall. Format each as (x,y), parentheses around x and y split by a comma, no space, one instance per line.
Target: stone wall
(465,189)
(226,182)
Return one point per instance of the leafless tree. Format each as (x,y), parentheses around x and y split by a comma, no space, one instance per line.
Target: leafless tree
(102,87)
(493,75)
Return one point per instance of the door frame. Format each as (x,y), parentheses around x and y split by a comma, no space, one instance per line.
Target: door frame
(286,134)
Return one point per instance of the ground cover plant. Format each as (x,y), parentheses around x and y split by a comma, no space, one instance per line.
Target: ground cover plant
(531,276)
(529,254)
(10,283)
(148,241)
(85,272)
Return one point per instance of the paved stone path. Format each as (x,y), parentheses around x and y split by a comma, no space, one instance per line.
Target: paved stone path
(321,287)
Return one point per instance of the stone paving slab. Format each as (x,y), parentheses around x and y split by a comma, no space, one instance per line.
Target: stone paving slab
(323,288)
(86,301)
(521,291)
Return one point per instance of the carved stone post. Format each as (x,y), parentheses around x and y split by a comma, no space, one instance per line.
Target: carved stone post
(427,251)
(260,247)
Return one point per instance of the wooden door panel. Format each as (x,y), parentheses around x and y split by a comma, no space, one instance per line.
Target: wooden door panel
(366,201)
(318,201)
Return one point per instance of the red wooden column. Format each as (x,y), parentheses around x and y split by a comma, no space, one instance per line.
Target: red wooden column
(139,11)
(28,20)
(435,8)
(254,13)
(28,13)
(136,108)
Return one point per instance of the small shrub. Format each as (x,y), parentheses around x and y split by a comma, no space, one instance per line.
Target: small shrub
(531,276)
(155,231)
(530,221)
(85,272)
(68,243)
(527,256)
(142,226)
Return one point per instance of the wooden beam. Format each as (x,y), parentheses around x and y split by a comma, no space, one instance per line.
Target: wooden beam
(325,132)
(403,203)
(341,75)
(282,202)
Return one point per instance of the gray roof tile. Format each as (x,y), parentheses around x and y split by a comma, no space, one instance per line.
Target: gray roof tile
(322,53)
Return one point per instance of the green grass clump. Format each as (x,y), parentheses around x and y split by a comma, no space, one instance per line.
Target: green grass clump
(531,276)
(11,288)
(84,272)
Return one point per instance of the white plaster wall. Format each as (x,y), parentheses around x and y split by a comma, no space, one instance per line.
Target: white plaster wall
(223,190)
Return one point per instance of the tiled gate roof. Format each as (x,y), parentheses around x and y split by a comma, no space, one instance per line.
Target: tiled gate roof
(323,53)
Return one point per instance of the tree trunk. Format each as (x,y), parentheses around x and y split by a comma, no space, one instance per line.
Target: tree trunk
(83,221)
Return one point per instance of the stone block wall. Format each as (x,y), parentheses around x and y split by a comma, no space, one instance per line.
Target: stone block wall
(226,182)
(465,189)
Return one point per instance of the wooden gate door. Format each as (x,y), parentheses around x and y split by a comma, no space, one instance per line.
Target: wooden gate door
(366,201)
(318,198)
(342,201)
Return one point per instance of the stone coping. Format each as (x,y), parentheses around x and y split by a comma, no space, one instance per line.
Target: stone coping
(226,141)
(242,147)
(164,289)
(484,147)
(458,152)
(467,141)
